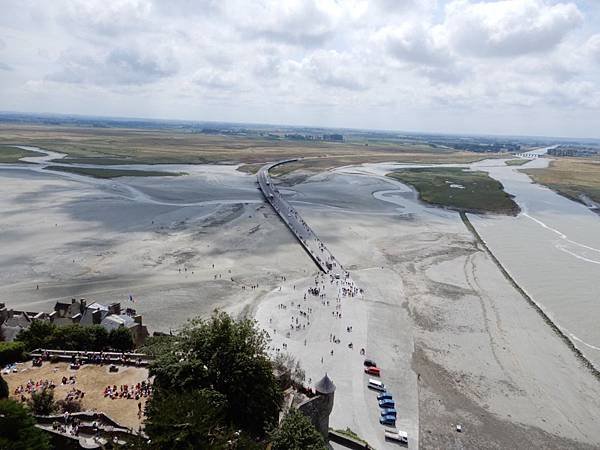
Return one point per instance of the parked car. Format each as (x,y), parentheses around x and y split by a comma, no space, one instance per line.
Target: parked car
(370,363)
(388,412)
(398,436)
(376,385)
(373,371)
(387,420)
(384,395)
(387,403)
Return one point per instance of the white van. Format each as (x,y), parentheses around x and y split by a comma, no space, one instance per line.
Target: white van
(398,436)
(376,385)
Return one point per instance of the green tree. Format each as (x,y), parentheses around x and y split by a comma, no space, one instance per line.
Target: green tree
(3,388)
(76,337)
(287,364)
(42,334)
(120,339)
(230,357)
(296,433)
(11,352)
(38,335)
(98,338)
(193,420)
(17,428)
(156,346)
(42,402)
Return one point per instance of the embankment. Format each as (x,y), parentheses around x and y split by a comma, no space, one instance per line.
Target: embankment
(586,362)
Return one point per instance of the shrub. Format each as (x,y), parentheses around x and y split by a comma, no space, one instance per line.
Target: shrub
(69,406)
(42,334)
(120,339)
(42,402)
(11,352)
(37,335)
(18,430)
(3,388)
(296,433)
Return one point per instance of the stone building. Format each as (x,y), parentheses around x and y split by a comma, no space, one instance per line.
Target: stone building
(79,312)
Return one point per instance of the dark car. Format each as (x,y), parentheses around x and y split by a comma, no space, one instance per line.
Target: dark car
(370,363)
(387,403)
(387,420)
(388,412)
(385,396)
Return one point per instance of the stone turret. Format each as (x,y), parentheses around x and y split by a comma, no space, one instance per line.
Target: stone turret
(318,408)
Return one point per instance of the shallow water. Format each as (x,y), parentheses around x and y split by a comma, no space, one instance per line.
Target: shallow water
(552,249)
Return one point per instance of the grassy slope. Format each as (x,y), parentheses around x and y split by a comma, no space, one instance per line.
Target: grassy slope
(481,193)
(112,173)
(13,154)
(122,146)
(570,177)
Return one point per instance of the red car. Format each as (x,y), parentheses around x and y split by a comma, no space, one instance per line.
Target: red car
(373,371)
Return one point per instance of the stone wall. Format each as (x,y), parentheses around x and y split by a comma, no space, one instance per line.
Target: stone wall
(317,409)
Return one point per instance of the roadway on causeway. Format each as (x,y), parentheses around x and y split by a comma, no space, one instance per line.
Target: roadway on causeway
(305,235)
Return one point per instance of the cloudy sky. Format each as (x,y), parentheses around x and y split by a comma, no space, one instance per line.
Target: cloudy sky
(504,67)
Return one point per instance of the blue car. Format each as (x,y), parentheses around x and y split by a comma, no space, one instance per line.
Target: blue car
(384,396)
(387,403)
(387,420)
(388,412)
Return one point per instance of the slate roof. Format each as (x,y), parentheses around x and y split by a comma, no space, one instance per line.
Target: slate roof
(325,385)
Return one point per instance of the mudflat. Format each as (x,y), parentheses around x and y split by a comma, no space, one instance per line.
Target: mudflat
(456,343)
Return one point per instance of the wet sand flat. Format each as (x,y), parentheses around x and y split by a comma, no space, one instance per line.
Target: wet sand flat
(456,343)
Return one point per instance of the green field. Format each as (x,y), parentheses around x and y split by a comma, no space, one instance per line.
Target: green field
(570,177)
(480,192)
(13,154)
(112,173)
(147,146)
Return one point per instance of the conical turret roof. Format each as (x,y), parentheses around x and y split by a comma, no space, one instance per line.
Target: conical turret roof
(325,386)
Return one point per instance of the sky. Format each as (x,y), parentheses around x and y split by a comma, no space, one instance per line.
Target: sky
(519,67)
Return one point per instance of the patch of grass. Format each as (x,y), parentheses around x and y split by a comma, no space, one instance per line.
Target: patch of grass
(351,434)
(571,177)
(10,155)
(458,190)
(112,173)
(516,162)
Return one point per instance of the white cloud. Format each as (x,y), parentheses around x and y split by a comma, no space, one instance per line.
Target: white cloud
(335,70)
(121,65)
(509,27)
(406,64)
(593,48)
(297,22)
(415,43)
(109,18)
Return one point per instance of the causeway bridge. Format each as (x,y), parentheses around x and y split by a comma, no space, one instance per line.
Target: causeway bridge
(305,235)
